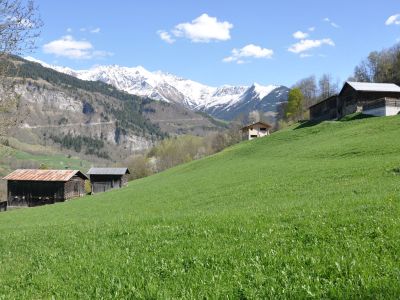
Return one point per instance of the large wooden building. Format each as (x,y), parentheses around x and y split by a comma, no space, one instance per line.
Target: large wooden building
(382,99)
(38,187)
(104,179)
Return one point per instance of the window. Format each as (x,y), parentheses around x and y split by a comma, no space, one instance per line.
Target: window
(263,129)
(253,135)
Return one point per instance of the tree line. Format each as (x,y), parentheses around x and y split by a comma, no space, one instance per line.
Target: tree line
(177,150)
(379,66)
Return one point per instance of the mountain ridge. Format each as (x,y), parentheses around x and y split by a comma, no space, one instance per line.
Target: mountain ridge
(225,102)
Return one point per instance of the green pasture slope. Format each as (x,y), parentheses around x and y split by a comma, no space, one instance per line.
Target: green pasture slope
(50,160)
(306,212)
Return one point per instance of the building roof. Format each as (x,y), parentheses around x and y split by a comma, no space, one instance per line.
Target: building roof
(373,87)
(43,175)
(261,123)
(108,171)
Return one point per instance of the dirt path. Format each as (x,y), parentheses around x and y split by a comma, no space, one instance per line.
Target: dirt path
(66,125)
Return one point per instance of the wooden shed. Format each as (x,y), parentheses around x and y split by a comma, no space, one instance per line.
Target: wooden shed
(39,187)
(104,179)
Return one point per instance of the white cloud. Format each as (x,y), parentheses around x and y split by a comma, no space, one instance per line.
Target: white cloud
(166,37)
(300,35)
(311,29)
(95,30)
(204,29)
(333,24)
(305,45)
(69,29)
(68,46)
(393,20)
(248,51)
(83,29)
(304,55)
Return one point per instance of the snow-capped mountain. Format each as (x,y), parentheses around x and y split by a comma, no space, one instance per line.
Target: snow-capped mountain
(225,102)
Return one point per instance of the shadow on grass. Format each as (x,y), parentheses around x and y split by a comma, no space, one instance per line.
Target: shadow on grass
(309,123)
(355,116)
(352,117)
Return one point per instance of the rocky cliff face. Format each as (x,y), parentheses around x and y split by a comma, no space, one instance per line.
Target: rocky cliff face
(52,111)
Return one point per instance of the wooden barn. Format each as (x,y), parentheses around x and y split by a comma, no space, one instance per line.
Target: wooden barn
(39,187)
(104,179)
(355,95)
(380,99)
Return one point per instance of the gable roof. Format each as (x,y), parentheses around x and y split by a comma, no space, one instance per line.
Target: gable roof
(372,87)
(108,171)
(255,123)
(43,175)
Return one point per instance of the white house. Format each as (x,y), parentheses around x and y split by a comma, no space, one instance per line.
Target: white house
(382,107)
(256,130)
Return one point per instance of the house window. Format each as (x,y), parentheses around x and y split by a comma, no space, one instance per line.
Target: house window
(263,129)
(253,135)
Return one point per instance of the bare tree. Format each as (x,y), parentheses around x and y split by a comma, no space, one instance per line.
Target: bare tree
(19,28)
(327,87)
(308,87)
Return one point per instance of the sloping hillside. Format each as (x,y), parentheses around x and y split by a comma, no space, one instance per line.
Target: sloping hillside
(307,212)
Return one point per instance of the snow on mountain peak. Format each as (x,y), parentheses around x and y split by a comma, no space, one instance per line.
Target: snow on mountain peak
(263,91)
(167,87)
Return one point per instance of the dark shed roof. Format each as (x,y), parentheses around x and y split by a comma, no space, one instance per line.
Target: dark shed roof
(44,175)
(108,171)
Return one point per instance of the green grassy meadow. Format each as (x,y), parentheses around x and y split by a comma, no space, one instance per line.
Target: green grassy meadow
(49,160)
(310,212)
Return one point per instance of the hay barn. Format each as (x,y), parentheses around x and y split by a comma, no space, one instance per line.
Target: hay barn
(104,179)
(39,187)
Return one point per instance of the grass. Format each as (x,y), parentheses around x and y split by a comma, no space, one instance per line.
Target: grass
(16,157)
(305,213)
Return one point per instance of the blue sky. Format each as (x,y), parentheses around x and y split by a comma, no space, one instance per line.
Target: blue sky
(219,42)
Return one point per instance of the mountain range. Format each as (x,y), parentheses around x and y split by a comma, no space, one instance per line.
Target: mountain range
(224,102)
